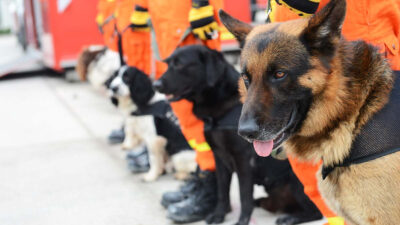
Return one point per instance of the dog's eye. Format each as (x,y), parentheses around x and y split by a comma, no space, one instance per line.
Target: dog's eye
(279,75)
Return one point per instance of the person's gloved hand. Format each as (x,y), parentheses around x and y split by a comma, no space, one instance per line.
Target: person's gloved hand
(302,8)
(139,19)
(202,22)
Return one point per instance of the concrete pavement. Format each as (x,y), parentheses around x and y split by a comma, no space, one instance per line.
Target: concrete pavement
(57,168)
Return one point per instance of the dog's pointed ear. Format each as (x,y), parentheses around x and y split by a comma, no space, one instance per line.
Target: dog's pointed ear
(214,67)
(238,28)
(324,29)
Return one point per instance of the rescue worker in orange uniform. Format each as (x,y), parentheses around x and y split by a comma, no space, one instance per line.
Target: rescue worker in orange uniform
(170,21)
(376,22)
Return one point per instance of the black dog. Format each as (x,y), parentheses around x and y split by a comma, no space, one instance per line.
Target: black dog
(203,77)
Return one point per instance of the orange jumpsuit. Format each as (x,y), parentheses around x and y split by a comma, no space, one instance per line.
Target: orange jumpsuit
(170,20)
(376,22)
(135,44)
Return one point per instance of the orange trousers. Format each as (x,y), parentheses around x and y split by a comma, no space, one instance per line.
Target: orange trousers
(170,20)
(135,44)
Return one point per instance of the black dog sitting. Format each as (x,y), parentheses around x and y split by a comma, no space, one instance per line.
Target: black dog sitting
(203,77)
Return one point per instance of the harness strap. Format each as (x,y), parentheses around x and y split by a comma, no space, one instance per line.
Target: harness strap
(327,170)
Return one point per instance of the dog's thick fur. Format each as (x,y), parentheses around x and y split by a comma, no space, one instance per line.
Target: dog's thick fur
(97,64)
(203,77)
(314,91)
(131,91)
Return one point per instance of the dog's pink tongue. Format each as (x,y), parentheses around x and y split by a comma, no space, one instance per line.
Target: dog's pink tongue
(263,148)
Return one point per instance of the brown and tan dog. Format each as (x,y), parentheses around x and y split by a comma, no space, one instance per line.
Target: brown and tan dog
(321,97)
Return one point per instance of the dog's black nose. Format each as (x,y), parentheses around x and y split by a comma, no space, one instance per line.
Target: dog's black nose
(248,128)
(114,89)
(158,85)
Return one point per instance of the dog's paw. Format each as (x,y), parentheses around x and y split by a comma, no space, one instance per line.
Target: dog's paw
(181,176)
(215,218)
(129,144)
(149,177)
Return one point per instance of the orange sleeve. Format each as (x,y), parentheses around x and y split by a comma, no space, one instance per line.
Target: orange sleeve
(307,174)
(143,3)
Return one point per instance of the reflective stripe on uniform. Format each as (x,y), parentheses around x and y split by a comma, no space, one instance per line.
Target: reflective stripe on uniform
(202,147)
(335,220)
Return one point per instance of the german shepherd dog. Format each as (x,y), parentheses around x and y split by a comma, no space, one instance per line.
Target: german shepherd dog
(202,76)
(321,97)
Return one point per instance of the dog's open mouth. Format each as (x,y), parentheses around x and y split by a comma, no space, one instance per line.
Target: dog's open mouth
(265,148)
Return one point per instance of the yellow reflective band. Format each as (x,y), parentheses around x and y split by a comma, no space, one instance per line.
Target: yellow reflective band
(335,220)
(192,143)
(200,13)
(202,147)
(316,1)
(139,18)
(100,19)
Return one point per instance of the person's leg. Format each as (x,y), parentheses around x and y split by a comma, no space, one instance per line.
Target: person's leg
(307,174)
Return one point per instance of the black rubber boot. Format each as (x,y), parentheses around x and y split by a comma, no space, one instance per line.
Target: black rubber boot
(184,191)
(138,160)
(199,203)
(116,136)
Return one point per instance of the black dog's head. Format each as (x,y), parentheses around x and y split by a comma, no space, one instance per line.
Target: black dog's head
(284,66)
(191,69)
(131,82)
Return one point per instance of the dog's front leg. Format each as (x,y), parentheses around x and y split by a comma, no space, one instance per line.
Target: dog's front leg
(246,185)
(131,139)
(157,158)
(224,176)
